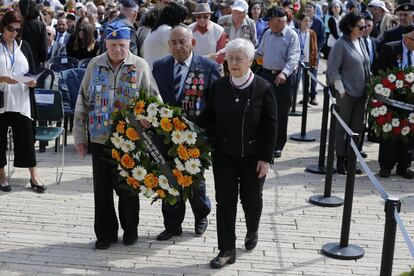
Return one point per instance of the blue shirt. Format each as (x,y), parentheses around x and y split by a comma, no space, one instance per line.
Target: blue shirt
(280,51)
(261,25)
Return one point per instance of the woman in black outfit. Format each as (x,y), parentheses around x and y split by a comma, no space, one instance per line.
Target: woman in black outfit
(84,44)
(241,123)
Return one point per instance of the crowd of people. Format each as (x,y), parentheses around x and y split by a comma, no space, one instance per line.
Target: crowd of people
(139,45)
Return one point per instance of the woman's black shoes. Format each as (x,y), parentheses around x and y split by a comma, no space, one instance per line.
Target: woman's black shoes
(340,165)
(250,241)
(5,187)
(223,258)
(38,188)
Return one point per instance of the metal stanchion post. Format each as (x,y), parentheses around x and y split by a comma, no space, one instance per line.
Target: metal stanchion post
(390,229)
(302,136)
(327,200)
(343,250)
(293,111)
(320,168)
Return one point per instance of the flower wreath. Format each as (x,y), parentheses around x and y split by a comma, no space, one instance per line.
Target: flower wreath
(391,104)
(139,162)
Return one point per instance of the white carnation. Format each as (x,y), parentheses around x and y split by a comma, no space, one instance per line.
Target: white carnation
(193,166)
(128,146)
(412,88)
(153,121)
(386,92)
(387,127)
(409,77)
(405,130)
(382,110)
(395,122)
(399,84)
(174,192)
(152,109)
(375,112)
(411,118)
(378,88)
(177,137)
(139,173)
(392,77)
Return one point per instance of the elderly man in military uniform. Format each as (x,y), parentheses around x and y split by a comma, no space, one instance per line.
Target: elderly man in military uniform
(111,80)
(280,50)
(405,13)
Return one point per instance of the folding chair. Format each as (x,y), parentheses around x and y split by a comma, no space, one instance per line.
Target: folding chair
(83,63)
(46,79)
(69,84)
(49,106)
(60,63)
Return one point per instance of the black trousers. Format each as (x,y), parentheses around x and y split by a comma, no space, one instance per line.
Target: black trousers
(231,176)
(104,181)
(394,152)
(174,214)
(284,101)
(23,139)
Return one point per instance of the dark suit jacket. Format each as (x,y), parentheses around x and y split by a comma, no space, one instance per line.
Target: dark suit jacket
(390,56)
(34,33)
(375,47)
(65,39)
(163,71)
(392,35)
(319,28)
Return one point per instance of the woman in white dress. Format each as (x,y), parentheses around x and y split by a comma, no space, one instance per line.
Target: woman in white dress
(15,106)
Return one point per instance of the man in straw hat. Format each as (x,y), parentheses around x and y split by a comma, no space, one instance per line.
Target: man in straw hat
(111,80)
(210,37)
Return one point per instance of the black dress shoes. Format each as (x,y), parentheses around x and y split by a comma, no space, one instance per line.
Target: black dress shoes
(201,226)
(384,173)
(250,241)
(105,244)
(5,187)
(165,235)
(408,174)
(39,187)
(223,258)
(129,239)
(277,154)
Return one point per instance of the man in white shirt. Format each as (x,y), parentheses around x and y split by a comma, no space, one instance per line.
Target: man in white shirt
(61,35)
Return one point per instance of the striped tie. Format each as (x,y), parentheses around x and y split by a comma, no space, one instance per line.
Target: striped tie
(177,80)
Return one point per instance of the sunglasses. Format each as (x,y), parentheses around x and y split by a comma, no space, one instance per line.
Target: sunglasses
(361,28)
(202,16)
(12,30)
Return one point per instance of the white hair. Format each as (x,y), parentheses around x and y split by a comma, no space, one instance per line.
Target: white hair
(188,33)
(243,45)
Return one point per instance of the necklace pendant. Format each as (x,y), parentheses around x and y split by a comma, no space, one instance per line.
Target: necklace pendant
(236,100)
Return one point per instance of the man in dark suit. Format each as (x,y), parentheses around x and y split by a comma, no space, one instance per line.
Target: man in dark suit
(176,75)
(396,54)
(405,13)
(62,36)
(371,43)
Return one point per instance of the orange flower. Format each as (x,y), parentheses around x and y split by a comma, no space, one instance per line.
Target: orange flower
(166,124)
(177,173)
(185,180)
(127,161)
(120,127)
(182,153)
(132,182)
(115,155)
(194,153)
(178,125)
(139,107)
(160,193)
(132,134)
(151,181)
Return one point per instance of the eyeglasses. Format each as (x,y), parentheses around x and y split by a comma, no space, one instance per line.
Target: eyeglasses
(81,30)
(12,30)
(202,16)
(237,60)
(361,28)
(412,39)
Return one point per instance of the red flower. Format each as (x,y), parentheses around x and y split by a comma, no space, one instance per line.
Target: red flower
(380,120)
(400,75)
(396,130)
(403,123)
(388,116)
(412,127)
(376,104)
(386,82)
(195,81)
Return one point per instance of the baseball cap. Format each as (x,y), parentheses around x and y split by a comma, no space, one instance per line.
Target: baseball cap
(240,5)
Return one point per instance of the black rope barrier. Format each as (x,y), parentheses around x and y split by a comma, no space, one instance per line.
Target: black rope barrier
(303,136)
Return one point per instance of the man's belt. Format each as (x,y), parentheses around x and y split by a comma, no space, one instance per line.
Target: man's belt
(273,72)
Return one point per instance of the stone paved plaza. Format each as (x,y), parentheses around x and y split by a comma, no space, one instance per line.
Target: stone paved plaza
(52,233)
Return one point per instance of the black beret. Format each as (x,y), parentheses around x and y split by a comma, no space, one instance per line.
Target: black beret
(275,12)
(286,3)
(405,7)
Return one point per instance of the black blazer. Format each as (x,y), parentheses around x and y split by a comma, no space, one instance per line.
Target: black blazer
(392,35)
(244,128)
(34,33)
(390,56)
(375,47)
